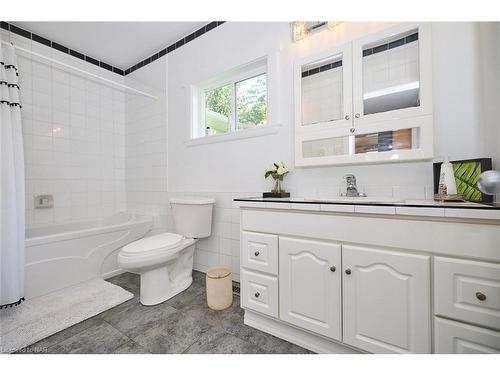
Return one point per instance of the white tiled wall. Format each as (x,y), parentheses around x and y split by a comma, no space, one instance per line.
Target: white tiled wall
(146,146)
(73,130)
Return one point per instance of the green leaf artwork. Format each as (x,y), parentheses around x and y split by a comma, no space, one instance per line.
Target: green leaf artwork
(466,176)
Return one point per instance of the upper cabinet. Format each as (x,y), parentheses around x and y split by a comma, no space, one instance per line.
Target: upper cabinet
(367,101)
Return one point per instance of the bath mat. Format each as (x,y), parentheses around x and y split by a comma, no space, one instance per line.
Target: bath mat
(43,316)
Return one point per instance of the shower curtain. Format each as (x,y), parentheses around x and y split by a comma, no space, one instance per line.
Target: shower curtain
(11,183)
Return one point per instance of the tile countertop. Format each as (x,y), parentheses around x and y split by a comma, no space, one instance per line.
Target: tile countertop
(430,208)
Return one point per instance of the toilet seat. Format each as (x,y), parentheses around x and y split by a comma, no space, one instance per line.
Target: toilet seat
(159,243)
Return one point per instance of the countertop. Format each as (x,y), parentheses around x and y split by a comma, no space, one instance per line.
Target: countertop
(487,211)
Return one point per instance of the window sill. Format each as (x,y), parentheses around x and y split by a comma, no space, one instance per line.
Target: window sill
(242,134)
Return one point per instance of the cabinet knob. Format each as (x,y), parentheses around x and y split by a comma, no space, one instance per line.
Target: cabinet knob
(348,271)
(257,253)
(352,130)
(481,296)
(356,115)
(333,269)
(257,294)
(347,117)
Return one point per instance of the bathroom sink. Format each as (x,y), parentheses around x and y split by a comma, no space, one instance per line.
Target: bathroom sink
(356,199)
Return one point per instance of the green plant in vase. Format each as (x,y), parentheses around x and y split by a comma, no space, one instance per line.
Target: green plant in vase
(277,171)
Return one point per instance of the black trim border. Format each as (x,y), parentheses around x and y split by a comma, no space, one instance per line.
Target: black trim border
(387,46)
(40,39)
(322,68)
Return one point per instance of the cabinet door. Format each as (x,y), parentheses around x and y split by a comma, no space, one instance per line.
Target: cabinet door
(310,285)
(392,94)
(323,106)
(386,300)
(392,74)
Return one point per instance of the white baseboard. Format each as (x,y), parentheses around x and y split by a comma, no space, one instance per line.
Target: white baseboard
(296,336)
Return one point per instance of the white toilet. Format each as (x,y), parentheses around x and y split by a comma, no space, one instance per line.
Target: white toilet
(165,261)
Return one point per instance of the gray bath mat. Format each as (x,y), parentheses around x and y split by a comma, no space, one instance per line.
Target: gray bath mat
(43,316)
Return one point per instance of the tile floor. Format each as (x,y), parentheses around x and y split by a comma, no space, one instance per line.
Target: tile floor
(183,324)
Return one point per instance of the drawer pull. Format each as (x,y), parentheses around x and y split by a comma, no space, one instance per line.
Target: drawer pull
(481,296)
(348,271)
(257,294)
(333,269)
(257,253)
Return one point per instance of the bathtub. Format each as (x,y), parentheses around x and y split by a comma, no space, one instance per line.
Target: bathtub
(60,256)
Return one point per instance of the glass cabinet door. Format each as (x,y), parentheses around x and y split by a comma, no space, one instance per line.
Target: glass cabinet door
(391,78)
(324,90)
(391,75)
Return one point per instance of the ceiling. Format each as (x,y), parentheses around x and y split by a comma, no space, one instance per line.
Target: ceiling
(121,44)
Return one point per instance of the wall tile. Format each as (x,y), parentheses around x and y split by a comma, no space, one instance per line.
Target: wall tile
(62,139)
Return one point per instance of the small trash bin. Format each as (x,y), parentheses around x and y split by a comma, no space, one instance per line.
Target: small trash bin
(219,288)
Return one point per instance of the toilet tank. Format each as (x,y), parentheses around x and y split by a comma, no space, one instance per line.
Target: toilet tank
(192,216)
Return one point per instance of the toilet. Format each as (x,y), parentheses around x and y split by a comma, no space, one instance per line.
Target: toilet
(165,261)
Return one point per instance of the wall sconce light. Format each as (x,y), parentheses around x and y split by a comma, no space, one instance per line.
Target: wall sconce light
(332,25)
(301,29)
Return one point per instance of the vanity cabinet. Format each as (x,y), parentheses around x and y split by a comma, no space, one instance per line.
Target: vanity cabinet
(310,285)
(386,300)
(360,281)
(367,101)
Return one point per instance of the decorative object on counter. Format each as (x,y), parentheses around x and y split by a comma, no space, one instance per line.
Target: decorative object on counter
(447,187)
(277,171)
(466,173)
(489,182)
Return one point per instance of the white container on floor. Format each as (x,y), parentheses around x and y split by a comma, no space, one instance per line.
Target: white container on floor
(219,288)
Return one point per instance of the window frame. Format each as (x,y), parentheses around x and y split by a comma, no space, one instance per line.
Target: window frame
(198,99)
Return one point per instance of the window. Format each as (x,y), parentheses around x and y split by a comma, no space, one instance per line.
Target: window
(218,110)
(251,102)
(235,101)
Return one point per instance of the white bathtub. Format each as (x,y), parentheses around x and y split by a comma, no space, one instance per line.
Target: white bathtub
(60,256)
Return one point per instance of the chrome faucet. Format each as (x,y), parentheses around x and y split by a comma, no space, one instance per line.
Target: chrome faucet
(351,188)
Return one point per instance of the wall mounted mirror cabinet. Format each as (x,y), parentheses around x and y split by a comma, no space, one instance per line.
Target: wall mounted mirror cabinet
(367,101)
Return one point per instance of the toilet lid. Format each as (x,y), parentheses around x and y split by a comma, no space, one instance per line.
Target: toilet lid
(162,241)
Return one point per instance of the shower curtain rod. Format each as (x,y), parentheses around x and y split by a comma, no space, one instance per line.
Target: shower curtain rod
(81,70)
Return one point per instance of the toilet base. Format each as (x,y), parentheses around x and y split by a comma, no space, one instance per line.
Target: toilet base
(155,291)
(166,281)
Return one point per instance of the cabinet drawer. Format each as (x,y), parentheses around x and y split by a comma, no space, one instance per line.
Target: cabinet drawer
(259,252)
(468,291)
(460,338)
(259,292)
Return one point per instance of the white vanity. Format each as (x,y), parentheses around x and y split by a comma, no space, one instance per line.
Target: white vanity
(346,277)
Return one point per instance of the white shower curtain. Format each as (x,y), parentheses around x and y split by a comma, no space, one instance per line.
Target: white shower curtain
(12,197)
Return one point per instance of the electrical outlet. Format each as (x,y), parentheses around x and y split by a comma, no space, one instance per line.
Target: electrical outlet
(44,201)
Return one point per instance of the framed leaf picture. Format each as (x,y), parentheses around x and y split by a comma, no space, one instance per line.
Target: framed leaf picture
(466,176)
